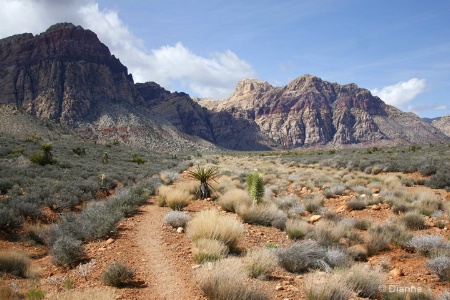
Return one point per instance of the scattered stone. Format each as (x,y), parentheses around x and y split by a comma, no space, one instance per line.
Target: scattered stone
(279,287)
(375,207)
(102,249)
(314,218)
(110,241)
(385,206)
(180,230)
(341,208)
(293,288)
(344,242)
(376,190)
(396,272)
(447,197)
(195,267)
(427,273)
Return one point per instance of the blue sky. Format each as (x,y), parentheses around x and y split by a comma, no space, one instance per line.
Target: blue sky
(400,50)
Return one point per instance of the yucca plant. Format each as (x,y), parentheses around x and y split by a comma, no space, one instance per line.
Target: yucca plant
(255,187)
(205,176)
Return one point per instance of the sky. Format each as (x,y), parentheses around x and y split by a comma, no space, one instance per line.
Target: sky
(397,49)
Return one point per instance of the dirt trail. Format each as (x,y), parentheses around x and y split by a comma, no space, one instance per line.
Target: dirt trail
(163,265)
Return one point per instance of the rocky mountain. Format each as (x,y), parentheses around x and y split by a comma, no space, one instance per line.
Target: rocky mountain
(443,124)
(310,112)
(66,74)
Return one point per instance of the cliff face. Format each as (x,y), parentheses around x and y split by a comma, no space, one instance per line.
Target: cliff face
(309,112)
(443,124)
(66,74)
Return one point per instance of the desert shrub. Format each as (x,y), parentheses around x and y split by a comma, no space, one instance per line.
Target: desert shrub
(8,219)
(266,215)
(413,220)
(440,265)
(427,295)
(445,295)
(176,219)
(67,251)
(209,224)
(335,190)
(428,169)
(302,256)
(177,199)
(233,198)
(427,243)
(327,233)
(285,203)
(327,286)
(337,258)
(382,235)
(36,233)
(98,221)
(255,186)
(260,262)
(14,263)
(356,204)
(226,280)
(440,180)
(205,175)
(169,177)
(361,224)
(428,202)
(117,275)
(313,204)
(209,250)
(297,229)
(364,280)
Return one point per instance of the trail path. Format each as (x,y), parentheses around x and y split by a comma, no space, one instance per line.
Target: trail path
(160,256)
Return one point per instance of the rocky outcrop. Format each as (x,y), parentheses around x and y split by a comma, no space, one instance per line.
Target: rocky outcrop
(443,124)
(66,74)
(312,112)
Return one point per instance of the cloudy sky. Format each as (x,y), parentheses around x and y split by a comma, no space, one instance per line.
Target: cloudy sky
(400,50)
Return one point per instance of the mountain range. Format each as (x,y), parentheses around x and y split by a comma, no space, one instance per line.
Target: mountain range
(67,75)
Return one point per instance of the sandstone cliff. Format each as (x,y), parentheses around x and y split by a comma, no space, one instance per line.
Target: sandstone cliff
(310,112)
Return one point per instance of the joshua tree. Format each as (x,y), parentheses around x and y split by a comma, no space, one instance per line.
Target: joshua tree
(205,176)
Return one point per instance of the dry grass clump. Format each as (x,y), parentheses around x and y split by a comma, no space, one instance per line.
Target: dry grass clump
(428,202)
(337,257)
(326,232)
(15,263)
(209,250)
(226,280)
(233,198)
(168,177)
(356,204)
(313,203)
(225,183)
(381,236)
(413,220)
(163,191)
(88,294)
(327,286)
(260,262)
(297,229)
(176,219)
(393,182)
(210,224)
(364,280)
(263,214)
(189,186)
(178,199)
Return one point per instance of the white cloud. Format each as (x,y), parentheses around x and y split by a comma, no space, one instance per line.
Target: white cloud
(402,92)
(172,66)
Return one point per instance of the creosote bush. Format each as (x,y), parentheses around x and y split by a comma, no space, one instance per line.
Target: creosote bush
(117,275)
(211,225)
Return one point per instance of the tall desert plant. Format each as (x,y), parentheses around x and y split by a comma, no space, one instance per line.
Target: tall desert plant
(205,176)
(255,187)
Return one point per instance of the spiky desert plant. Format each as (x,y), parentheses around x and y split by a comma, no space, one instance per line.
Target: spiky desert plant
(255,187)
(205,175)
